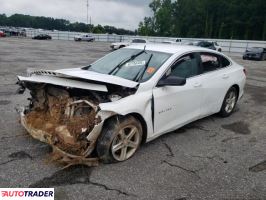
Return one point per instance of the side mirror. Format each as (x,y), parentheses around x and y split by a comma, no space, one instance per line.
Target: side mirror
(171,81)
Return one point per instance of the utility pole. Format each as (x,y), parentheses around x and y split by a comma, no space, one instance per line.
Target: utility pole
(87,12)
(88,16)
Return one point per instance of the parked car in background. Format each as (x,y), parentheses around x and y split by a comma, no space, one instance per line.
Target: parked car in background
(2,34)
(205,44)
(42,37)
(84,37)
(119,45)
(255,53)
(128,97)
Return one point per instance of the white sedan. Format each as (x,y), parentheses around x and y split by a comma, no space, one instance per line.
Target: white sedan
(119,45)
(131,96)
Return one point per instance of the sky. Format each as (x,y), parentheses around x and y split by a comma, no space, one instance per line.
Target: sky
(119,13)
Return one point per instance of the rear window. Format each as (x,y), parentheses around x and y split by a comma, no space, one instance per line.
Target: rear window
(256,49)
(211,62)
(224,61)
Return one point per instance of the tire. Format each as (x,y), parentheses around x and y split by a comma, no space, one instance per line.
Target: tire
(116,142)
(220,50)
(229,102)
(122,46)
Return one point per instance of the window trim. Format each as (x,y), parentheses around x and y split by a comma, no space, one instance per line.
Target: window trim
(218,69)
(189,52)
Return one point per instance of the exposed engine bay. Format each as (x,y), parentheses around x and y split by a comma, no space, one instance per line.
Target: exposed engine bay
(69,119)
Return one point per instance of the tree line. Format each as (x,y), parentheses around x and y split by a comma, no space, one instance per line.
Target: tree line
(225,19)
(48,23)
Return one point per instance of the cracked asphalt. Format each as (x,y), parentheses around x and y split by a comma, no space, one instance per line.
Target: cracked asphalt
(212,158)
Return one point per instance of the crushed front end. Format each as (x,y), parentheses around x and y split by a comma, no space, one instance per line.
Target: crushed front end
(67,119)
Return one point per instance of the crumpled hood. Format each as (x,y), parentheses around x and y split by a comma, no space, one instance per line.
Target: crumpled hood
(94,76)
(64,76)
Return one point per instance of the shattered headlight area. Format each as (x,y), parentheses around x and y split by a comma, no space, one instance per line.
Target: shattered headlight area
(67,120)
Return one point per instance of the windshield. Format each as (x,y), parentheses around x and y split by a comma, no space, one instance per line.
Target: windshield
(255,49)
(131,64)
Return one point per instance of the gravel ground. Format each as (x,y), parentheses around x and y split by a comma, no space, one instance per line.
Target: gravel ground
(212,158)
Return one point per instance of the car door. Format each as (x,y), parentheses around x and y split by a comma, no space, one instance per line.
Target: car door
(174,106)
(215,73)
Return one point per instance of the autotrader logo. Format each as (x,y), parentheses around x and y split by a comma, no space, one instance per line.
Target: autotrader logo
(27,193)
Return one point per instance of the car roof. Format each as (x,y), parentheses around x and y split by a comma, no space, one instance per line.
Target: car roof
(168,48)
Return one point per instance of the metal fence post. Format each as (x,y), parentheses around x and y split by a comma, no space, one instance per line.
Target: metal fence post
(230,44)
(247,45)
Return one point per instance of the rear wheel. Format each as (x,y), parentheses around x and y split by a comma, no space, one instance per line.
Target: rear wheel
(119,139)
(229,102)
(122,46)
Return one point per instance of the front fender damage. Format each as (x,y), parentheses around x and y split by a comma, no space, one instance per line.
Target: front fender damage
(69,123)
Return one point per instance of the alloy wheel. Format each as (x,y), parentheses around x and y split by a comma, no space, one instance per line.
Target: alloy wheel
(125,143)
(230,102)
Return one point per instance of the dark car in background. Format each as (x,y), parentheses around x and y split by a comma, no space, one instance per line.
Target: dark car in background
(205,44)
(255,53)
(42,37)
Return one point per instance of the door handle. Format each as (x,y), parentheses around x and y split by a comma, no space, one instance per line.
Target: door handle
(197,84)
(225,76)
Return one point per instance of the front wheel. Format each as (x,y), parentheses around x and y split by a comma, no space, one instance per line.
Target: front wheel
(119,140)
(229,102)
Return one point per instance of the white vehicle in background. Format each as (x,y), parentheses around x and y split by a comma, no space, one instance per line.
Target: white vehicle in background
(173,41)
(84,37)
(128,97)
(119,45)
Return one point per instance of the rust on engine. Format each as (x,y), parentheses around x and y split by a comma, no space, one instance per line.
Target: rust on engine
(65,120)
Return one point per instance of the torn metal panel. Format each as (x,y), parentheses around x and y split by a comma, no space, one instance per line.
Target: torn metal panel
(63,82)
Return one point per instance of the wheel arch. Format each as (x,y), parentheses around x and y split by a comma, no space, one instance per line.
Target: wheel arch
(137,116)
(236,86)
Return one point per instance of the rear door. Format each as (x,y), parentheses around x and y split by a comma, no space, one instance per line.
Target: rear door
(175,106)
(215,75)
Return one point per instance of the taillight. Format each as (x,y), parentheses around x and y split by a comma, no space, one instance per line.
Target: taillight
(245,71)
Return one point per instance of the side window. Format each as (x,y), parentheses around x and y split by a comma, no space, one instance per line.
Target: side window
(186,67)
(224,62)
(210,62)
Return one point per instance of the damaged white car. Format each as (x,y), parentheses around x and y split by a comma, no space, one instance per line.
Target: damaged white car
(105,110)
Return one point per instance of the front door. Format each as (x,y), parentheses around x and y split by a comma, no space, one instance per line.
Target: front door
(175,106)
